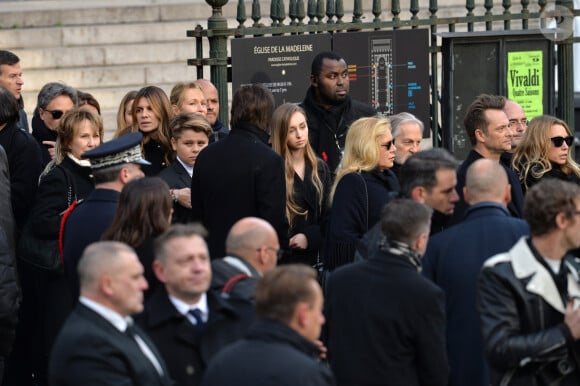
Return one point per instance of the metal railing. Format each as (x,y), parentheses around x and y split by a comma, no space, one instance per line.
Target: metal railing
(328,16)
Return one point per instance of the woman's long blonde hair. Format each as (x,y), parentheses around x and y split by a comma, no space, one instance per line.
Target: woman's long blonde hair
(361,148)
(279,137)
(531,155)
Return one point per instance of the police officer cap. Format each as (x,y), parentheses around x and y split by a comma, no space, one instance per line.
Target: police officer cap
(122,150)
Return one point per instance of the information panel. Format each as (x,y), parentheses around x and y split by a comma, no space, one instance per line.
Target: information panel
(281,63)
(388,69)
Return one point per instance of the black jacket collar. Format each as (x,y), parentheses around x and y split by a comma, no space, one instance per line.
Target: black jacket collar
(248,129)
(272,331)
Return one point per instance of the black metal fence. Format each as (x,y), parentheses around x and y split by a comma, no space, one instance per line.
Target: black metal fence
(328,16)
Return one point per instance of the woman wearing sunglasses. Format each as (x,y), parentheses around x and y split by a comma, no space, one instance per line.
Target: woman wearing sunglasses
(364,183)
(545,152)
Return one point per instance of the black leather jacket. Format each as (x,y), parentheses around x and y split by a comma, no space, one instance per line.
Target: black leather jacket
(522,321)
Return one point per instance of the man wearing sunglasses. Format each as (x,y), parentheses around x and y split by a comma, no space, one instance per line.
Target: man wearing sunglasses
(252,249)
(54,99)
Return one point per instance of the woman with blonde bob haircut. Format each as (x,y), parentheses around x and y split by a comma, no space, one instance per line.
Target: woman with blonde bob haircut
(364,183)
(307,183)
(545,152)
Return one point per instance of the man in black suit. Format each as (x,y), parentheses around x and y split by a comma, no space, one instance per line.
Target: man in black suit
(188,323)
(252,249)
(98,344)
(241,176)
(386,323)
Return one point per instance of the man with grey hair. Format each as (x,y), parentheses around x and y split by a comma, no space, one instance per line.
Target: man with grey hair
(99,343)
(11,78)
(252,249)
(455,256)
(386,321)
(54,99)
(407,132)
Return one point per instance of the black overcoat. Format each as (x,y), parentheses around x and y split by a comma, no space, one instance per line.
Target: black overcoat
(386,324)
(270,354)
(186,350)
(237,177)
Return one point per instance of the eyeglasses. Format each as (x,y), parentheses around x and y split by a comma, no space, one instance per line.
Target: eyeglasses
(515,122)
(388,144)
(56,114)
(279,252)
(559,141)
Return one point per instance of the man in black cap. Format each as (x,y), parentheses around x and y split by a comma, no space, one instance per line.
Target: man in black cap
(114,164)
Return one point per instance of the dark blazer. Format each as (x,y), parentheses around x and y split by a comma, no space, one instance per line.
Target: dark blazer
(25,165)
(85,225)
(386,324)
(515,206)
(270,354)
(357,206)
(186,350)
(453,260)
(327,128)
(177,178)
(237,177)
(91,351)
(310,225)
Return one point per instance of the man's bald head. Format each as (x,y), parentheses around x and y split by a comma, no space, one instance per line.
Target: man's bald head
(100,258)
(486,180)
(248,235)
(111,274)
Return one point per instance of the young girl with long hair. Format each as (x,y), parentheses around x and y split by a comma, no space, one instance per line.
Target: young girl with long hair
(307,183)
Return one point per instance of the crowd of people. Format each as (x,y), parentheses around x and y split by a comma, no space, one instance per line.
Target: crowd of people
(308,244)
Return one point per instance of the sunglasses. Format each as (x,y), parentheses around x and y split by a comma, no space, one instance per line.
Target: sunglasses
(56,114)
(559,141)
(389,144)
